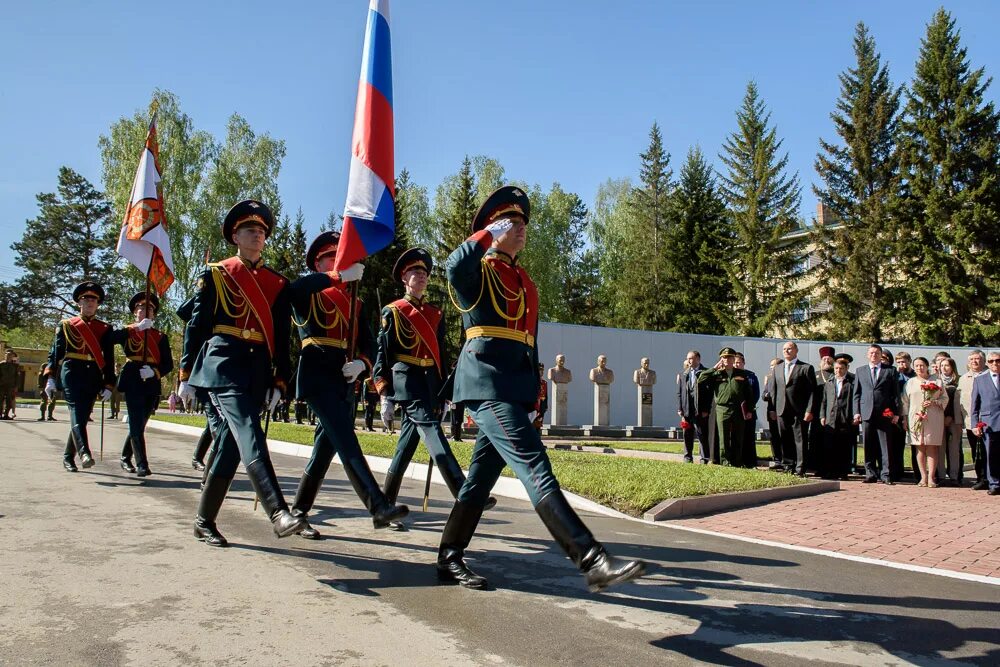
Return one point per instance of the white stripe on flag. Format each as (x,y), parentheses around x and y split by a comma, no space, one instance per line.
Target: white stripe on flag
(364,191)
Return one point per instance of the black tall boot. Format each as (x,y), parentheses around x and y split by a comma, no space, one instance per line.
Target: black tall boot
(390,489)
(598,567)
(69,454)
(41,410)
(309,487)
(126,458)
(141,462)
(204,442)
(383,512)
(212,496)
(265,483)
(455,540)
(79,435)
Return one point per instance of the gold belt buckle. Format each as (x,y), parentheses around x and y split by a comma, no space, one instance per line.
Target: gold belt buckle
(246,333)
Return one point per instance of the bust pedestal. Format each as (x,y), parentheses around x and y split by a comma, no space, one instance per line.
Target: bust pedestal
(559,414)
(602,404)
(644,401)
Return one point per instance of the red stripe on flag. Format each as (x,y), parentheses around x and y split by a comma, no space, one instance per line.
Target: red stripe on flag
(350,248)
(373,135)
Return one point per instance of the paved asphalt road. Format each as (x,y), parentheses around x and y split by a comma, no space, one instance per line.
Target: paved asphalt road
(100,568)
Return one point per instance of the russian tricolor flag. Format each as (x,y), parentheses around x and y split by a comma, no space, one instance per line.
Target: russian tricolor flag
(369,216)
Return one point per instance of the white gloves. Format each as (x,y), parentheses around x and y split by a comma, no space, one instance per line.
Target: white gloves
(352,273)
(352,369)
(145,372)
(185,391)
(273,396)
(532,415)
(105,394)
(144,324)
(386,408)
(498,227)
(50,387)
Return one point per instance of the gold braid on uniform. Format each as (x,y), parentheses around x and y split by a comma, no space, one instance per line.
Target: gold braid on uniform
(232,302)
(132,347)
(489,275)
(404,332)
(74,340)
(316,307)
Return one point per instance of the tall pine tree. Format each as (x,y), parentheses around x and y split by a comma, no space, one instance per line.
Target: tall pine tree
(766,272)
(947,215)
(860,176)
(697,251)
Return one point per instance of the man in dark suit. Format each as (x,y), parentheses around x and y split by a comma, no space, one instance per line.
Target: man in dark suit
(986,411)
(690,408)
(749,457)
(876,391)
(793,386)
(840,428)
(772,422)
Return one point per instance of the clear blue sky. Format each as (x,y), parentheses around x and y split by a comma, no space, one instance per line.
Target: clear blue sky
(560,91)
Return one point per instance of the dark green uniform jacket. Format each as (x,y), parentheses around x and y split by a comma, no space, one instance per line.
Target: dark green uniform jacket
(407,366)
(158,357)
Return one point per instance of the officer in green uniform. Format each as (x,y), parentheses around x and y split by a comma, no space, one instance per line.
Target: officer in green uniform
(206,445)
(83,357)
(409,370)
(321,306)
(8,384)
(236,349)
(733,403)
(497,379)
(148,358)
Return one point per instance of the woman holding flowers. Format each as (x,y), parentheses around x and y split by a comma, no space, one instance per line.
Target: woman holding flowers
(924,401)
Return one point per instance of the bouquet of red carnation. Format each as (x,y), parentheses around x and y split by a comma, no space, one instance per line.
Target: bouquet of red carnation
(929,389)
(981,426)
(685,424)
(888,413)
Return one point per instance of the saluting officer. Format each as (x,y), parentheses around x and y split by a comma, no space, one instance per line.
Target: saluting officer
(409,370)
(321,306)
(83,356)
(236,349)
(497,379)
(148,358)
(733,400)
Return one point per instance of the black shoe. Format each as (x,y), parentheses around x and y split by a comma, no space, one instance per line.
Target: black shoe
(52,419)
(69,465)
(606,570)
(454,570)
(265,483)
(995,491)
(126,465)
(491,502)
(40,419)
(869,480)
(981,485)
(143,471)
(309,532)
(207,532)
(197,465)
(390,515)
(305,496)
(87,461)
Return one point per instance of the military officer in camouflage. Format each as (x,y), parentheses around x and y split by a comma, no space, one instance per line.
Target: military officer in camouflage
(409,370)
(733,397)
(236,349)
(321,307)
(148,358)
(497,379)
(83,356)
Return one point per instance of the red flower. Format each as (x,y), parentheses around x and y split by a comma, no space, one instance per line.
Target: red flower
(888,413)
(685,424)
(980,425)
(930,386)
(921,415)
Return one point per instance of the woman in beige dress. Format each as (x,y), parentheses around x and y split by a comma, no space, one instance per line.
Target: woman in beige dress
(929,437)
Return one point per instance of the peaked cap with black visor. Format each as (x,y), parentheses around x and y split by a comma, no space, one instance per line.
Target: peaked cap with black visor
(504,200)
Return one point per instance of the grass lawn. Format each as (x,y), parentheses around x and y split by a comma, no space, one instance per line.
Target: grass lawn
(628,485)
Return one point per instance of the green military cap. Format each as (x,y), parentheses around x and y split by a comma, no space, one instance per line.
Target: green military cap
(139,297)
(414,258)
(727,352)
(506,200)
(843,356)
(88,288)
(247,212)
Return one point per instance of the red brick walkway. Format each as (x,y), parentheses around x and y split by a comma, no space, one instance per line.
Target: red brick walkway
(949,528)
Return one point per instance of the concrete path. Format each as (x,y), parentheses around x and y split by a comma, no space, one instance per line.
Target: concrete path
(100,568)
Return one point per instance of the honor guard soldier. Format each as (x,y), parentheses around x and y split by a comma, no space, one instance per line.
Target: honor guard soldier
(46,395)
(148,358)
(409,370)
(497,379)
(83,356)
(236,349)
(321,307)
(733,397)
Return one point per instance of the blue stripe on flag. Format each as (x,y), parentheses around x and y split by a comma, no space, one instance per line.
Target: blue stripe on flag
(378,69)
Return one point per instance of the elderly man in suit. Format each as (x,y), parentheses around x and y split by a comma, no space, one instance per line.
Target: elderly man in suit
(986,418)
(963,412)
(793,390)
(840,428)
(691,408)
(876,397)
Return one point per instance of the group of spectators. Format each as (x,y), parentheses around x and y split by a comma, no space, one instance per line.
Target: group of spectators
(815,415)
